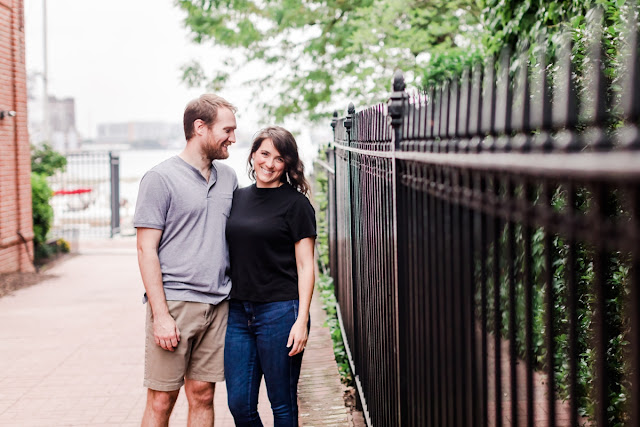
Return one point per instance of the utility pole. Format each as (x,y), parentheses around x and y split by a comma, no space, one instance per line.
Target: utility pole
(45,76)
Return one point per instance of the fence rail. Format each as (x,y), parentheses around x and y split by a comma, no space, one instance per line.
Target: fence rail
(485,248)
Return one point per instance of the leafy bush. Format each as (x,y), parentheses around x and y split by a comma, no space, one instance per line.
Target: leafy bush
(447,65)
(42,213)
(44,162)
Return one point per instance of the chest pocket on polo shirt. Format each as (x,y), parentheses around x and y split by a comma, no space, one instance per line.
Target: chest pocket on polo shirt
(221,203)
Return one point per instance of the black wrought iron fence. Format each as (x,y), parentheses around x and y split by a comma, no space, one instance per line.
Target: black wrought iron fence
(485,247)
(86,200)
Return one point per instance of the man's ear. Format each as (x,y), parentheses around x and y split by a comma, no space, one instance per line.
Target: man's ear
(199,126)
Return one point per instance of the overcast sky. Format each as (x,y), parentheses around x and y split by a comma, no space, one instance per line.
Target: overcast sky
(120,60)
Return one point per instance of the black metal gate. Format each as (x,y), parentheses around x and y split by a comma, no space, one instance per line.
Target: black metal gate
(86,200)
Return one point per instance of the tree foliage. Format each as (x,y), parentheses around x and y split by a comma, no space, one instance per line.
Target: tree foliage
(522,23)
(46,161)
(315,54)
(531,26)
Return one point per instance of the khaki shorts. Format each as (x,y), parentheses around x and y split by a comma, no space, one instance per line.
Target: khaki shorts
(200,352)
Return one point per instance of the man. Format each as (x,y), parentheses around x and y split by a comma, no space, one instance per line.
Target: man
(180,217)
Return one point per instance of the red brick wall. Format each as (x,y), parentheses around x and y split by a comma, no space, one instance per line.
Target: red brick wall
(15,164)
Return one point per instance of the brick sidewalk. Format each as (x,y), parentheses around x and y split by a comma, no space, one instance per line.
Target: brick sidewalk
(73,350)
(319,390)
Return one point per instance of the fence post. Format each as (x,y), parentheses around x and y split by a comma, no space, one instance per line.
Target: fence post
(333,206)
(397,112)
(355,348)
(114,166)
(396,107)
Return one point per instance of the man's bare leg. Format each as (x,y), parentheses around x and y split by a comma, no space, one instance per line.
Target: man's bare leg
(159,407)
(200,398)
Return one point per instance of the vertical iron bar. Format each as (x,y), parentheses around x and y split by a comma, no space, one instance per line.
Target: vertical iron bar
(449,302)
(469,290)
(528,298)
(482,249)
(412,253)
(337,283)
(511,250)
(572,302)
(634,306)
(355,315)
(441,311)
(601,333)
(397,109)
(435,302)
(549,294)
(427,283)
(497,315)
(461,349)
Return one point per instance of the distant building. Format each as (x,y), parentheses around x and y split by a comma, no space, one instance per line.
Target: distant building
(63,135)
(62,124)
(16,222)
(141,134)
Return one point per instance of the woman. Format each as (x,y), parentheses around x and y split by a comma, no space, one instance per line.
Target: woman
(271,232)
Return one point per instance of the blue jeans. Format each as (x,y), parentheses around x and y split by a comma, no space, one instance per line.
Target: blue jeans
(256,345)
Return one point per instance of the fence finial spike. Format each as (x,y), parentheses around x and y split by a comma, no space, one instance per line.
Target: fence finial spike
(334,120)
(351,109)
(398,81)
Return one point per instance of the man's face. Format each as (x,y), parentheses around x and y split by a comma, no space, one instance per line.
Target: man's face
(220,135)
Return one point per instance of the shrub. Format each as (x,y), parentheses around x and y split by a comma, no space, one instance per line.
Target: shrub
(42,213)
(44,162)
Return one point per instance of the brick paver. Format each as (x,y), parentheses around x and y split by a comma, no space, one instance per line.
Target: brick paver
(73,348)
(319,389)
(540,399)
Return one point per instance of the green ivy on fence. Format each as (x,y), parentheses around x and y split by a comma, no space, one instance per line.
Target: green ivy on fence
(325,282)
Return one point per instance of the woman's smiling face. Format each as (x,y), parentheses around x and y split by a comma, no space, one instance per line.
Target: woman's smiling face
(268,165)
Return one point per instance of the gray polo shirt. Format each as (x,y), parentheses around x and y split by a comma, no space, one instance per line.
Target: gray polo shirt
(194,256)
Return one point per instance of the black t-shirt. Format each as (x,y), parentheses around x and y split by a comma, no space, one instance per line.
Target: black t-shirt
(263,227)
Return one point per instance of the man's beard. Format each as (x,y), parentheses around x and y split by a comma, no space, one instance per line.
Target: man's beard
(214,152)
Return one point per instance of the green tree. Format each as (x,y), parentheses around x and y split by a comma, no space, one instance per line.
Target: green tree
(315,54)
(46,161)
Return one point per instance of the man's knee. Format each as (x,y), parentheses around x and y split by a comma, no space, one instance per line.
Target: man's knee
(161,402)
(199,393)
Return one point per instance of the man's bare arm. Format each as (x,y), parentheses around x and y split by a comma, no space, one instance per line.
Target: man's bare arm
(165,330)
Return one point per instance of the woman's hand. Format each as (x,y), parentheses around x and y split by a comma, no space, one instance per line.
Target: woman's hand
(298,336)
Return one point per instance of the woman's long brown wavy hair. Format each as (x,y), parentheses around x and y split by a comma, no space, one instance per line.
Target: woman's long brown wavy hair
(286,145)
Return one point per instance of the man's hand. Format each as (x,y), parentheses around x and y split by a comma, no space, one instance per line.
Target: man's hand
(166,332)
(298,337)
